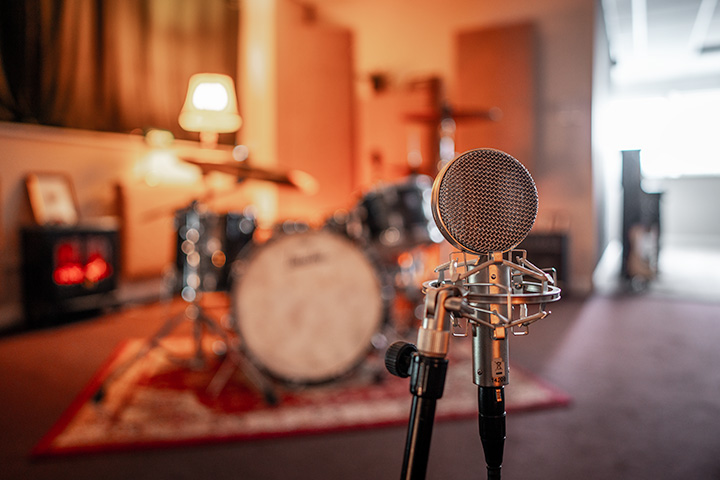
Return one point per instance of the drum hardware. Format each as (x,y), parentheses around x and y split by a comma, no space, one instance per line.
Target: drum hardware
(202,323)
(206,246)
(340,222)
(392,221)
(445,118)
(214,162)
(407,272)
(298,179)
(290,227)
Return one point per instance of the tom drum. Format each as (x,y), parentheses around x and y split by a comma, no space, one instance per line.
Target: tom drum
(397,217)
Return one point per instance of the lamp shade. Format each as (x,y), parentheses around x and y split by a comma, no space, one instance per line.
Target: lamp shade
(210,105)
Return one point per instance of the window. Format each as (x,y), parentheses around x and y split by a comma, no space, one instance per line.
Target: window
(677,133)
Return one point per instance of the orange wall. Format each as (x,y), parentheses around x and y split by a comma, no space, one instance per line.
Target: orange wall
(315,112)
(495,69)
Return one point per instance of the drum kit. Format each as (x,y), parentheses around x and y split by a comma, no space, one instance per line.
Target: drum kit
(309,305)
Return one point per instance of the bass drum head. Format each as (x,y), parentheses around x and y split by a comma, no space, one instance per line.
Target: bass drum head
(306,306)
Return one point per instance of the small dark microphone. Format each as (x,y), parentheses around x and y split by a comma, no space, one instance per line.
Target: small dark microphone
(484,202)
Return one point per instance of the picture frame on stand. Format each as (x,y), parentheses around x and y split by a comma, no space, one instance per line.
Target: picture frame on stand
(52,198)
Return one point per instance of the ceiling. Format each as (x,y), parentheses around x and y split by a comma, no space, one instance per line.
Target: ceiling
(651,41)
(663,40)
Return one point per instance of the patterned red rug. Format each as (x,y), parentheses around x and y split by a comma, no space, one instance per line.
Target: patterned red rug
(158,402)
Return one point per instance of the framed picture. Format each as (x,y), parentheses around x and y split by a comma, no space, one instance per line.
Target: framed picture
(52,199)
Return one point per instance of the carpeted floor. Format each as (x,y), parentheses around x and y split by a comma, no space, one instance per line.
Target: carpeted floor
(642,372)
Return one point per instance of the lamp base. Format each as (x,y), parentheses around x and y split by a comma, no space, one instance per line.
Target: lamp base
(208,139)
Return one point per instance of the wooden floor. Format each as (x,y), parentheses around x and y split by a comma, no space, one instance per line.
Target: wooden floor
(642,371)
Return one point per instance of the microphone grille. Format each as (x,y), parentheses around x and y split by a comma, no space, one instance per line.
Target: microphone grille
(484,201)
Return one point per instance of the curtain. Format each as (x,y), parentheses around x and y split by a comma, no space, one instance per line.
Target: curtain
(110,65)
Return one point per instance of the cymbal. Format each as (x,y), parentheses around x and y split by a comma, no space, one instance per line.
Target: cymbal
(303,181)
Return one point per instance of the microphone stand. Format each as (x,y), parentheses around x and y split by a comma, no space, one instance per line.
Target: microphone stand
(426,366)
(485,296)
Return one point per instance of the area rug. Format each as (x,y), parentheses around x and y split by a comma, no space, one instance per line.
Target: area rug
(159,402)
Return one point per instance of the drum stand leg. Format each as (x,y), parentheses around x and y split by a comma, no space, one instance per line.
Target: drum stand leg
(152,343)
(236,361)
(201,322)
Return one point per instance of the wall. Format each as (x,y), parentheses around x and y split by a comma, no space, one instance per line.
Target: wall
(315,112)
(495,68)
(689,210)
(407,40)
(606,161)
(257,92)
(296,95)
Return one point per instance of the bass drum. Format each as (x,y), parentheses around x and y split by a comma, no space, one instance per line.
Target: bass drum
(306,306)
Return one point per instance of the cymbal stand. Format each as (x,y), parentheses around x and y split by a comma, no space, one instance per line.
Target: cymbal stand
(483,296)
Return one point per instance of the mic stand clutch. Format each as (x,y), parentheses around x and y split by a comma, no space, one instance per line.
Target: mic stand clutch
(487,293)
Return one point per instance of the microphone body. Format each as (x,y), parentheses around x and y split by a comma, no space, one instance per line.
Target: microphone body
(491,366)
(490,345)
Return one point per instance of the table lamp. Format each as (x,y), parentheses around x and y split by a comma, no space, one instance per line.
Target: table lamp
(210,107)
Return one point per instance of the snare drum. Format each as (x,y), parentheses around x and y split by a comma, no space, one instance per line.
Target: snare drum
(306,306)
(397,217)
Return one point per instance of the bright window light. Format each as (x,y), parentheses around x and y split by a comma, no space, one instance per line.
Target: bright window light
(677,134)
